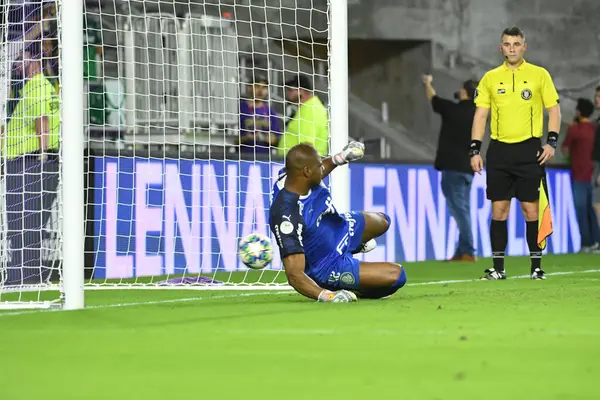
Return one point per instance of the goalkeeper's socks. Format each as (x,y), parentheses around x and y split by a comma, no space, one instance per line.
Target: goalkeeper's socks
(499,239)
(534,250)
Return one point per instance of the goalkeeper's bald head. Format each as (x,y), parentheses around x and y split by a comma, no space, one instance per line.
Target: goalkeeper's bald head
(303,165)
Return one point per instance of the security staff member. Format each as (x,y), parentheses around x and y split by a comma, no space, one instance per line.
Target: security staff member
(31,169)
(516,92)
(453,162)
(34,126)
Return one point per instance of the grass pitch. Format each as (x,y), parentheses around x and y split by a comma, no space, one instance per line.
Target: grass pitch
(513,339)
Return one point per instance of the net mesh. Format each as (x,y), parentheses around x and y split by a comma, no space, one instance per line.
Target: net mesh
(187,117)
(30,184)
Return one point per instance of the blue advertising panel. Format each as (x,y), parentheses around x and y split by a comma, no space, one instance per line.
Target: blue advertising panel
(157,216)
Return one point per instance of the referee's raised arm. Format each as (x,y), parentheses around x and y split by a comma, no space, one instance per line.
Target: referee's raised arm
(515,94)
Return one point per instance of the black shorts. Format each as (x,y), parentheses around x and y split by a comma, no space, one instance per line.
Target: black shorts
(513,170)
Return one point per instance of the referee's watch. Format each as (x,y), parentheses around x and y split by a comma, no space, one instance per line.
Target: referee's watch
(552,139)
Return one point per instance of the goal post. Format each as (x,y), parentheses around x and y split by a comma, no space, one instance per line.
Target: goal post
(172,114)
(71,26)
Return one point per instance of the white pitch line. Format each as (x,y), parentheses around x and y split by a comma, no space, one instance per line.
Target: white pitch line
(146,303)
(588,271)
(188,299)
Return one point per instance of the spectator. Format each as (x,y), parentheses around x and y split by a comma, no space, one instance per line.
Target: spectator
(454,162)
(310,123)
(260,126)
(596,158)
(579,144)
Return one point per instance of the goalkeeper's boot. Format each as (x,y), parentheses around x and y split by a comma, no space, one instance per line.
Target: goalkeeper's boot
(492,275)
(538,274)
(367,247)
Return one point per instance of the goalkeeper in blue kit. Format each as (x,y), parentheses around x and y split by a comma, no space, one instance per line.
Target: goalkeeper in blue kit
(316,242)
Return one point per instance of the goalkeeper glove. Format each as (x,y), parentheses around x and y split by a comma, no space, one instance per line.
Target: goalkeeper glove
(352,152)
(341,296)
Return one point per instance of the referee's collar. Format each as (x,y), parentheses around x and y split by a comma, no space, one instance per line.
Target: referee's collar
(520,68)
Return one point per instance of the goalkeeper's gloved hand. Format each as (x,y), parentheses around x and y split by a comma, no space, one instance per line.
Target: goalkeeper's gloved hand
(352,152)
(341,296)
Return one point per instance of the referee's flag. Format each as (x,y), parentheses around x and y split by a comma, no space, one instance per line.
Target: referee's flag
(544,216)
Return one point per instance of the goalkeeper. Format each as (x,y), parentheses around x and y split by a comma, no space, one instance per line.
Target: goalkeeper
(316,242)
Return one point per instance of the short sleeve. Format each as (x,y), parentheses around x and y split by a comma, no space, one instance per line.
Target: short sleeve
(549,94)
(482,93)
(287,225)
(440,105)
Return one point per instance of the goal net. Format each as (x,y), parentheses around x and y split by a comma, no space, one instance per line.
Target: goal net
(30,178)
(187,109)
(141,139)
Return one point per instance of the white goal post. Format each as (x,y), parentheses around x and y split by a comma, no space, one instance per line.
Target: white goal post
(172,115)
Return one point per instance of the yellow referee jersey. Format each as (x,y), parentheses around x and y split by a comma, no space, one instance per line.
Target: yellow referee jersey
(516,99)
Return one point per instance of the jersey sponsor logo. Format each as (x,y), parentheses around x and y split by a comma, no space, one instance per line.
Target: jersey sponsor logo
(347,278)
(526,94)
(330,210)
(351,222)
(501,91)
(286,227)
(287,217)
(343,244)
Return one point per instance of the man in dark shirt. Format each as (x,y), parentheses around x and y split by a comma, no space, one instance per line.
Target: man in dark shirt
(451,160)
(579,144)
(596,158)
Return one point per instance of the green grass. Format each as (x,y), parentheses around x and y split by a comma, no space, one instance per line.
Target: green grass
(513,339)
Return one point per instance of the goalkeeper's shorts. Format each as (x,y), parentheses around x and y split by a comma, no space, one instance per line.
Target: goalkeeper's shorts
(341,271)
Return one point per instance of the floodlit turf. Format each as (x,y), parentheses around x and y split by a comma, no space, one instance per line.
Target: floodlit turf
(514,339)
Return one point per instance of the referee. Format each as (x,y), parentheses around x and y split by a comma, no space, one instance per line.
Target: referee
(516,92)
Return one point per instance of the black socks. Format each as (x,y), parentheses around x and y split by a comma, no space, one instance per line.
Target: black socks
(534,250)
(499,239)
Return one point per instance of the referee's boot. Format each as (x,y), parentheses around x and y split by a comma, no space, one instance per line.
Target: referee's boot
(538,274)
(492,275)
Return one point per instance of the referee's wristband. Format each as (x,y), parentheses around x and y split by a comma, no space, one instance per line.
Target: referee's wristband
(475,148)
(552,139)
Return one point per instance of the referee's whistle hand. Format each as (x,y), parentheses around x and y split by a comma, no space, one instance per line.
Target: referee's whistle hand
(545,154)
(477,163)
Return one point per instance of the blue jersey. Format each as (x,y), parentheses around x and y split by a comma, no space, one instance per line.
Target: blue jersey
(310,225)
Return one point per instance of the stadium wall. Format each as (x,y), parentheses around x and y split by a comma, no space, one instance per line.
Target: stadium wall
(152,216)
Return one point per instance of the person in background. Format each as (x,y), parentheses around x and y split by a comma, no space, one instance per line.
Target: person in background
(596,159)
(260,126)
(452,160)
(24,27)
(30,150)
(579,144)
(310,123)
(34,127)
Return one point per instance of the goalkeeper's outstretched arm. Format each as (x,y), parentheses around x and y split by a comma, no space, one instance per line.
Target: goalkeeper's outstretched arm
(353,151)
(294,270)
(294,265)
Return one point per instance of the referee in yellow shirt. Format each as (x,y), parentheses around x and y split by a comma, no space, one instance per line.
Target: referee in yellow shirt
(517,93)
